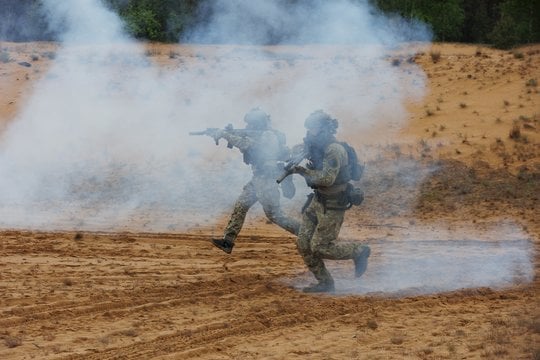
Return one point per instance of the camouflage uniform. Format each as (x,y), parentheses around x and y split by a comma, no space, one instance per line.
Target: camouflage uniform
(262,187)
(328,174)
(262,149)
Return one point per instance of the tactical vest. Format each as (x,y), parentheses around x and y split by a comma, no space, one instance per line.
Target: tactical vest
(348,194)
(347,172)
(258,154)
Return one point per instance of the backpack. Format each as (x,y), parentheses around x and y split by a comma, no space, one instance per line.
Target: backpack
(356,170)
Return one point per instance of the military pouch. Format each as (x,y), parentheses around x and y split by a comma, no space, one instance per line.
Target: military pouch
(355,195)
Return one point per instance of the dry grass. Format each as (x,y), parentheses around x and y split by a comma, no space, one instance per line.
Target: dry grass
(372,324)
(152,52)
(4,57)
(435,56)
(515,131)
(130,332)
(532,83)
(12,341)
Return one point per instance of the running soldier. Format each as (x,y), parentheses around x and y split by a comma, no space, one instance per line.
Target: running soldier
(263,148)
(328,172)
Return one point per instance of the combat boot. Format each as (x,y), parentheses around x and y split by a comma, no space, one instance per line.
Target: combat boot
(320,287)
(361,259)
(224,244)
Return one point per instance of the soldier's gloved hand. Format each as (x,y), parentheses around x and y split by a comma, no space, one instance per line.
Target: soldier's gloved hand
(299,170)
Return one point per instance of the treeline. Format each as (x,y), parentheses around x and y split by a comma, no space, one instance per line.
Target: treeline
(501,23)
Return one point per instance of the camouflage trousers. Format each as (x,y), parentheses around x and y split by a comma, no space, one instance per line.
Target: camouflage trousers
(317,239)
(263,189)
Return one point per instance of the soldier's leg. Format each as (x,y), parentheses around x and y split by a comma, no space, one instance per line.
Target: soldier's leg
(268,195)
(324,242)
(245,201)
(275,214)
(313,260)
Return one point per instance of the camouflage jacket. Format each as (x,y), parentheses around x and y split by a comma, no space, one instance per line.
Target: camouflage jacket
(332,175)
(262,150)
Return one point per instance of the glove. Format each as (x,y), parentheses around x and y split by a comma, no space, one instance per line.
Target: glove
(287,187)
(299,170)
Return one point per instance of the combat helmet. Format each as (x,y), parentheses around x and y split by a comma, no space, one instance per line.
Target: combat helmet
(257,119)
(321,120)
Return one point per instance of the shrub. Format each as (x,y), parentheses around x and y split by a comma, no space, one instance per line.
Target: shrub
(4,57)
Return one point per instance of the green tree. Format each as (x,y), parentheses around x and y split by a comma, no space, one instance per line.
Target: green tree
(446,17)
(480,18)
(518,23)
(163,20)
(24,20)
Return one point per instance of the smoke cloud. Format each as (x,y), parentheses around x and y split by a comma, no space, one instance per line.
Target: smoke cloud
(103,138)
(448,260)
(302,22)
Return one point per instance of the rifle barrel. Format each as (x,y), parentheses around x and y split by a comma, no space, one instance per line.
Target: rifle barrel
(283,176)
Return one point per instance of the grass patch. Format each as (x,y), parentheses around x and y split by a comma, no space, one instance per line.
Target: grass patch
(12,341)
(4,57)
(152,52)
(435,56)
(372,324)
(515,132)
(532,82)
(51,55)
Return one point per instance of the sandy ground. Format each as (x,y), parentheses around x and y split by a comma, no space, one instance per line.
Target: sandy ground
(137,295)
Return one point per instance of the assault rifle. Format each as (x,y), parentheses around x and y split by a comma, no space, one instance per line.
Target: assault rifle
(209,131)
(213,132)
(298,154)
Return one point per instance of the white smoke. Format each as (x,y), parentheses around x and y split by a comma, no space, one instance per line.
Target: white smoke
(421,261)
(302,22)
(102,141)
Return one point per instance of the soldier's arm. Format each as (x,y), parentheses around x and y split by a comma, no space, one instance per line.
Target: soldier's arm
(332,162)
(243,143)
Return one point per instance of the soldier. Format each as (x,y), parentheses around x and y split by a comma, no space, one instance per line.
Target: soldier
(262,148)
(328,172)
